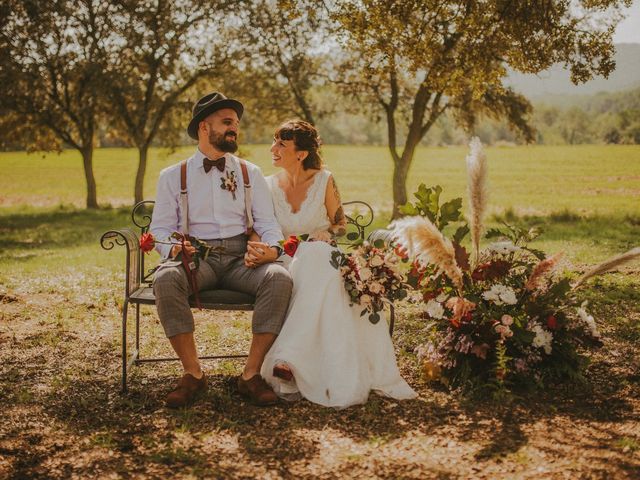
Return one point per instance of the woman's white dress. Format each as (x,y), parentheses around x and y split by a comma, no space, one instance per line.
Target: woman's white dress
(336,355)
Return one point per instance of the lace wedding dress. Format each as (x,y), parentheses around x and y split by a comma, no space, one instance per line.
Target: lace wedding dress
(337,357)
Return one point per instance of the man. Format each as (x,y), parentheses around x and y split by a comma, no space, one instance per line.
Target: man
(214,211)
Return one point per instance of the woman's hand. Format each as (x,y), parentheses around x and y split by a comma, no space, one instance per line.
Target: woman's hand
(259,253)
(178,248)
(322,236)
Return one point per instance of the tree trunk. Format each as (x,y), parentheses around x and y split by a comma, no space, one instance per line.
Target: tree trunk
(87,161)
(401,171)
(142,168)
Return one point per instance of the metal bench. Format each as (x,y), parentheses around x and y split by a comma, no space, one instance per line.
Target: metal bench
(138,290)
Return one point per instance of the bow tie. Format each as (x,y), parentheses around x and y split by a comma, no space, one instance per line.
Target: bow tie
(207,164)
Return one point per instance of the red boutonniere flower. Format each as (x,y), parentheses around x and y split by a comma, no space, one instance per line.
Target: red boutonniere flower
(552,322)
(290,245)
(147,242)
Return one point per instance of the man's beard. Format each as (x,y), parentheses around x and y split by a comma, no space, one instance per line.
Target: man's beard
(221,143)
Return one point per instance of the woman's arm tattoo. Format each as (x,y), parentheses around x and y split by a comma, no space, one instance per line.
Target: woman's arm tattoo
(335,189)
(338,229)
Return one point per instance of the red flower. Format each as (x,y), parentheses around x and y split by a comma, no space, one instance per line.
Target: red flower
(291,245)
(401,252)
(552,322)
(147,242)
(491,270)
(426,296)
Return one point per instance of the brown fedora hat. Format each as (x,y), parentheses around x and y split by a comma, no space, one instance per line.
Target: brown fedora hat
(206,106)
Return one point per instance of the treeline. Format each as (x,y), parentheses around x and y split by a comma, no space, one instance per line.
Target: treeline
(604,118)
(86,73)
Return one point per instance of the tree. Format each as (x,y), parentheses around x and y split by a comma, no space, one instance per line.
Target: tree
(164,48)
(51,75)
(412,60)
(281,42)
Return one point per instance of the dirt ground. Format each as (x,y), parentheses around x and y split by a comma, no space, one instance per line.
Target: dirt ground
(63,415)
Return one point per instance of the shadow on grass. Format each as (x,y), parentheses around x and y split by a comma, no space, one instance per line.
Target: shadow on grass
(57,228)
(278,436)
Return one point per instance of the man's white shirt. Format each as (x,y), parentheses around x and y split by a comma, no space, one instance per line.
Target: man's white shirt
(213,212)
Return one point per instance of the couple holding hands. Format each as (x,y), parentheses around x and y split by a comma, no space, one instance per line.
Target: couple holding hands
(307,341)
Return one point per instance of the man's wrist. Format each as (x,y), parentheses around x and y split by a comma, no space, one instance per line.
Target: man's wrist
(278,249)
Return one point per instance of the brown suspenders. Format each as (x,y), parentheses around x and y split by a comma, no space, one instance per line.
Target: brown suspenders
(184,204)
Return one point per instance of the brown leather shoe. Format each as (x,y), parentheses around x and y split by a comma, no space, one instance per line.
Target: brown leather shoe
(257,390)
(186,391)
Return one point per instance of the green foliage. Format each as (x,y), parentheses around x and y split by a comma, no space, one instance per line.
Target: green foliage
(428,205)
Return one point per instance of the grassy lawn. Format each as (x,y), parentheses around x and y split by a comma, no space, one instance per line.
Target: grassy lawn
(534,180)
(60,297)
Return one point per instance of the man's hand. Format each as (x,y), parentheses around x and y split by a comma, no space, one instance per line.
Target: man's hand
(178,248)
(259,253)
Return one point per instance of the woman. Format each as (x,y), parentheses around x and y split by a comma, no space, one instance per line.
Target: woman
(326,352)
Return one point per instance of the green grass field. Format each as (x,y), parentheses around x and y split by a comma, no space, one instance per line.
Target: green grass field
(532,180)
(586,199)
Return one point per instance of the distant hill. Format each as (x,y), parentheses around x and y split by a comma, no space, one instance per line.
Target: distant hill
(555,81)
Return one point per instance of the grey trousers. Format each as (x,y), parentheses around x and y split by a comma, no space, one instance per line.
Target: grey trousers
(270,283)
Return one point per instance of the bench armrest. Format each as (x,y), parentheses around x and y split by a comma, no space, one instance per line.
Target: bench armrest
(127,238)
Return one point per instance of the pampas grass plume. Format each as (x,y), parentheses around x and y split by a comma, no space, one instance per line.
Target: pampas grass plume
(424,242)
(477,190)
(609,264)
(540,270)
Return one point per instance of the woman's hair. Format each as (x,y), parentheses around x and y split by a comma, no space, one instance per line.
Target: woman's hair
(305,137)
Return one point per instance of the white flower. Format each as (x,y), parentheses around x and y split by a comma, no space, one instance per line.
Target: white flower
(542,339)
(376,261)
(588,320)
(500,295)
(507,320)
(442,297)
(365,274)
(503,248)
(434,309)
(509,297)
(365,300)
(376,287)
(491,296)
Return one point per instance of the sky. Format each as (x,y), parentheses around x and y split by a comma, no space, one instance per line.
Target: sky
(628,30)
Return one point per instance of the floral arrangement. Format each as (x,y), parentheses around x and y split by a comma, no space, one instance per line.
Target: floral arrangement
(501,316)
(372,277)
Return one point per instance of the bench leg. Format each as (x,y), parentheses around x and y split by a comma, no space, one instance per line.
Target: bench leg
(392,319)
(138,328)
(125,309)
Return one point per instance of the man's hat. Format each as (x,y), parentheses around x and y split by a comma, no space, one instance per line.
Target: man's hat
(206,106)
